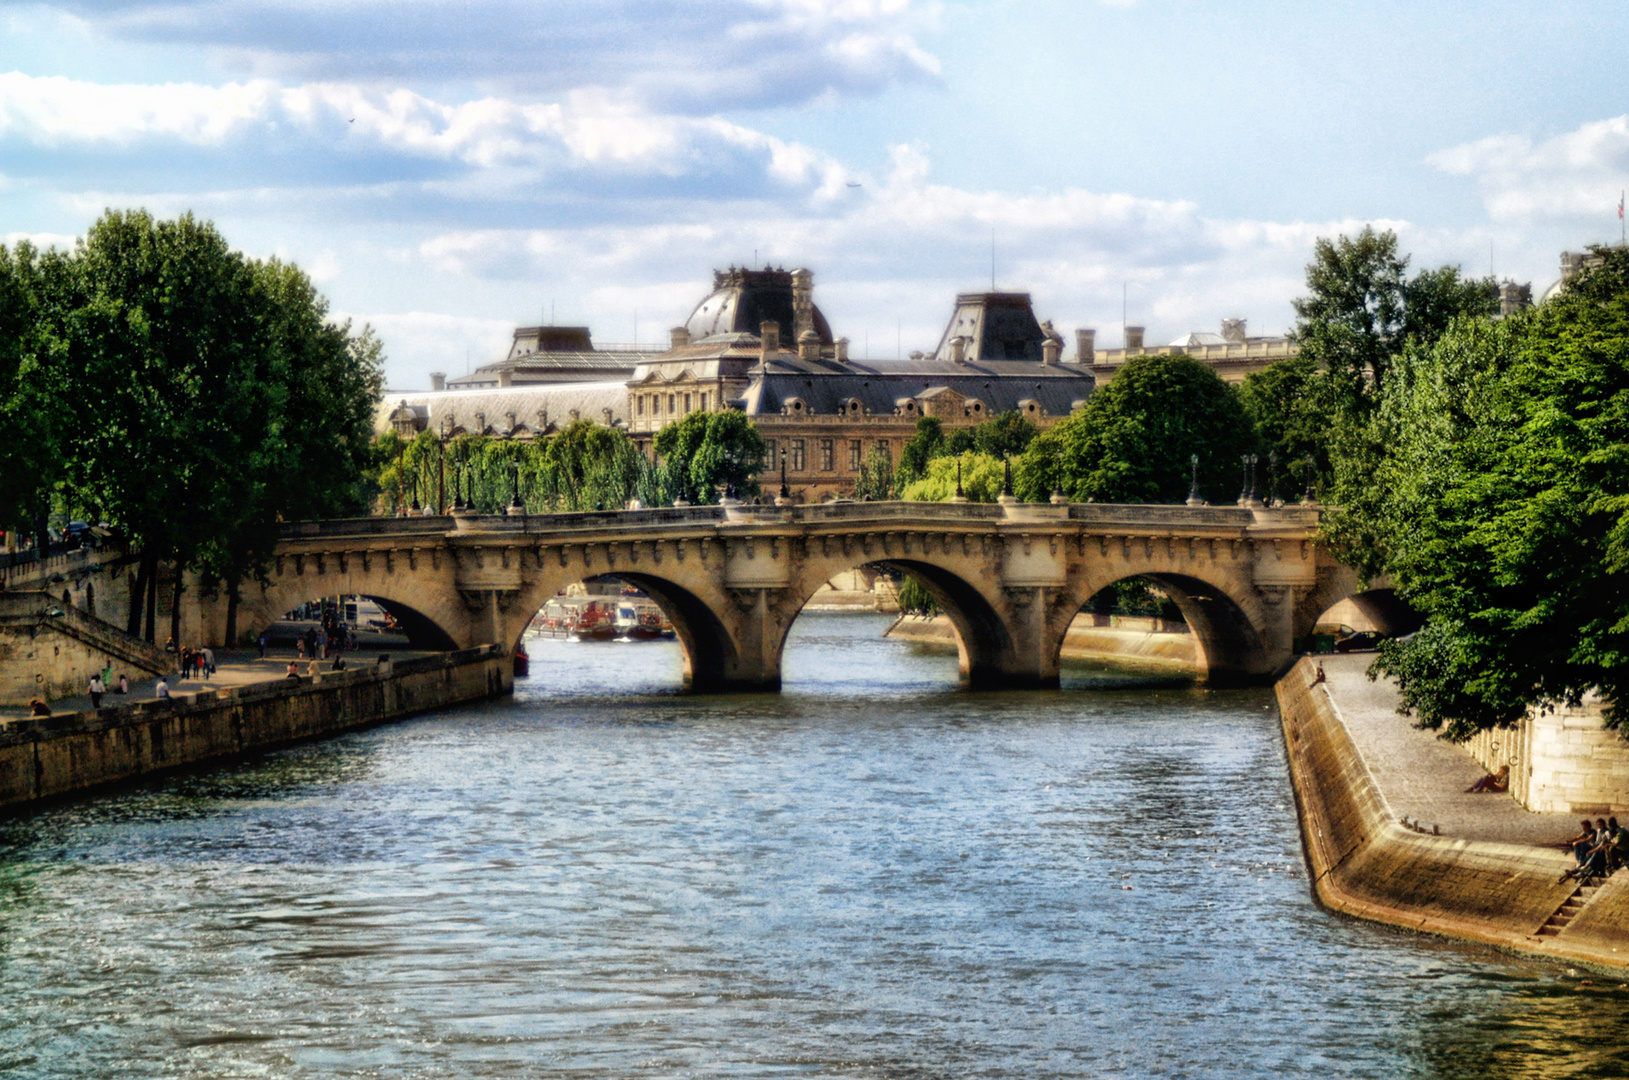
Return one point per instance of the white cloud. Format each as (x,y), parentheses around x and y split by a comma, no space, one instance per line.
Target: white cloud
(691,58)
(1579,174)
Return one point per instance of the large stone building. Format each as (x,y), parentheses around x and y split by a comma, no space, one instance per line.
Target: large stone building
(1232,354)
(549,355)
(759,344)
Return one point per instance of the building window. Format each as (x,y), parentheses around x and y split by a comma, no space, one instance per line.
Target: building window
(882,444)
(687,403)
(826,463)
(704,403)
(797,455)
(639,405)
(769,444)
(854,455)
(672,404)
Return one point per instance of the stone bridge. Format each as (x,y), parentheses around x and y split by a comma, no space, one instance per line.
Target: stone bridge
(1011,577)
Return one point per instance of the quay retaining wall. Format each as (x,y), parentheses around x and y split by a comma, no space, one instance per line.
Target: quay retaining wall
(1365,863)
(51,757)
(1139,643)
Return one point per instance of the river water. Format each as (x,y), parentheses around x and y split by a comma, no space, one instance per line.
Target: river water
(872,874)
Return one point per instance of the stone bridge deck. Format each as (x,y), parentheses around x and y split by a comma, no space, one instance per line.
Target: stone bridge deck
(1010,576)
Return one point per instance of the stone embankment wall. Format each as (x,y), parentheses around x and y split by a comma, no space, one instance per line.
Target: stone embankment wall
(1561,761)
(1365,863)
(49,649)
(70,753)
(1139,642)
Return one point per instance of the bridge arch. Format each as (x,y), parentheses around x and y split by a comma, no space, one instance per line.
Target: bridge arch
(1230,623)
(710,652)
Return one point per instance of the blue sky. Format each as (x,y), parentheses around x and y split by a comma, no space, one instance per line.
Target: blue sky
(446,170)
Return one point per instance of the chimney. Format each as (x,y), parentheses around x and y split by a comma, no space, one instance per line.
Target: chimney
(1086,346)
(678,337)
(1051,349)
(438,380)
(506,377)
(1233,331)
(1134,339)
(958,350)
(842,350)
(802,303)
(809,346)
(769,335)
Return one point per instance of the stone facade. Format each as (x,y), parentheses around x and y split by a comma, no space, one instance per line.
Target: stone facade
(1561,761)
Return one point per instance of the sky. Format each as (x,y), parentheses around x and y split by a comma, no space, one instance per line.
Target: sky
(446,170)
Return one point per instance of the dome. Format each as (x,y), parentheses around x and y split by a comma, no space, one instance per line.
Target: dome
(742,300)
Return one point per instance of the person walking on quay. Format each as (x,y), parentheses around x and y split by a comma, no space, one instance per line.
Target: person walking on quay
(209,662)
(96,689)
(124,684)
(264,641)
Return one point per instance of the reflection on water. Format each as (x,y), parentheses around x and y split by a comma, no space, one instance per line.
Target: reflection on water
(872,874)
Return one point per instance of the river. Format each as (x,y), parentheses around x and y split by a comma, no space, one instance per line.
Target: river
(872,874)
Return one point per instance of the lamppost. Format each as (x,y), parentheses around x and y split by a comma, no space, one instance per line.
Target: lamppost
(1194,498)
(786,492)
(401,496)
(1250,499)
(415,509)
(1244,479)
(1272,477)
(516,507)
(960,494)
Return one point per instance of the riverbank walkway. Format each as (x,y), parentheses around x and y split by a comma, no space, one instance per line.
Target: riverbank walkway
(233,667)
(1423,778)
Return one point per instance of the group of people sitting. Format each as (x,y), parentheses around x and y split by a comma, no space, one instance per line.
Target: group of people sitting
(1600,849)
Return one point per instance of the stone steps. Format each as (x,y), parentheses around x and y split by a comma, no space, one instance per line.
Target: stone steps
(1569,908)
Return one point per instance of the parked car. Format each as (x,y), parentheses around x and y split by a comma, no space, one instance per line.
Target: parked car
(1360,641)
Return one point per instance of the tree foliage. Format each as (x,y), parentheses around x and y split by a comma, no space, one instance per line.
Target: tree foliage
(981,475)
(1503,512)
(707,454)
(173,387)
(1133,441)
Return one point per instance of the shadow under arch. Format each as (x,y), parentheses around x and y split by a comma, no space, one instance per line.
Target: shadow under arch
(1390,614)
(422,632)
(709,652)
(1229,646)
(984,645)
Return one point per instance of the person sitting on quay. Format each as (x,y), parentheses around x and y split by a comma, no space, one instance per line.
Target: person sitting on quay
(293,669)
(1317,676)
(1497,782)
(38,708)
(162,690)
(1580,846)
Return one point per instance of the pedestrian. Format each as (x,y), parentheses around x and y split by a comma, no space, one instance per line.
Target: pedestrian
(264,641)
(162,689)
(124,684)
(293,669)
(97,689)
(209,661)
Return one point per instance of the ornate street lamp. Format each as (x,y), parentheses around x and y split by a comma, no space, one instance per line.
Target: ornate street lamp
(1006,476)
(960,494)
(515,505)
(1272,477)
(786,492)
(1194,498)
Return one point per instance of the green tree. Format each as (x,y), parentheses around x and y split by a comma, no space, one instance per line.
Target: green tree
(31,386)
(587,466)
(1504,514)
(926,444)
(1292,406)
(1132,441)
(876,480)
(981,478)
(707,453)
